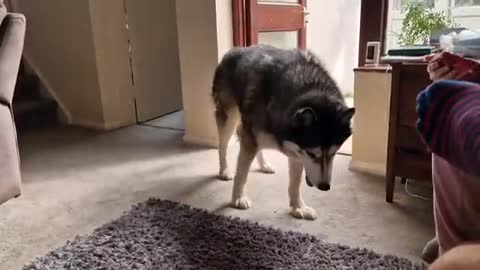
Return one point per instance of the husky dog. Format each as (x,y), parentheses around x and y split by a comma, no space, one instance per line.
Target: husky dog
(284,100)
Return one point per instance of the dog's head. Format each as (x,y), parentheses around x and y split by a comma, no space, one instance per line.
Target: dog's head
(318,128)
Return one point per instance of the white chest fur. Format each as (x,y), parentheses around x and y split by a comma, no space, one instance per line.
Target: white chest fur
(268,141)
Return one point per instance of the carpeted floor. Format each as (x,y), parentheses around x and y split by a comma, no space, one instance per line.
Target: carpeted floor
(166,235)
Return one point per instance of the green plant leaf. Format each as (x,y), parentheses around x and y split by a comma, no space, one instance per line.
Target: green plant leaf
(419,22)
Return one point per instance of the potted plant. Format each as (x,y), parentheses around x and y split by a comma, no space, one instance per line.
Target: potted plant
(419,22)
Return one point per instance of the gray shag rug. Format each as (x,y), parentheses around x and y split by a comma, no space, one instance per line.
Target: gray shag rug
(161,234)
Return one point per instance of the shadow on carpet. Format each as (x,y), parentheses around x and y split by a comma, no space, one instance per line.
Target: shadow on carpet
(161,234)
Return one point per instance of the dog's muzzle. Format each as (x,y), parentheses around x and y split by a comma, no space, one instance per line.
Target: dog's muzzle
(324,187)
(308,181)
(321,186)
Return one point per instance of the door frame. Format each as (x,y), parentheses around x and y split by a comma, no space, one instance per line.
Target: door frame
(246,22)
(373,26)
(150,100)
(239,23)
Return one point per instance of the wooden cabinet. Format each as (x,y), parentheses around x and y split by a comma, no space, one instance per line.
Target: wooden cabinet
(407,156)
(372,89)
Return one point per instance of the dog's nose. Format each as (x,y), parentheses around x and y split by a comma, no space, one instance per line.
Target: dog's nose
(308,181)
(324,186)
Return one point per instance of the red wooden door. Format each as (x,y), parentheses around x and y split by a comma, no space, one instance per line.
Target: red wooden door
(281,23)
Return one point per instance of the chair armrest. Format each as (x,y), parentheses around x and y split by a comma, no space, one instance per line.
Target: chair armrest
(12,36)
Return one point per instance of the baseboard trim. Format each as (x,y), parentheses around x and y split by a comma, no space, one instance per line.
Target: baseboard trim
(100,126)
(376,169)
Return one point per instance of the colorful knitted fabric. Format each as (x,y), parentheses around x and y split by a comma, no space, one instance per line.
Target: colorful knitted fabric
(449,122)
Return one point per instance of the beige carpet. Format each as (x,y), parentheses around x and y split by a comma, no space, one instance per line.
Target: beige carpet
(76,180)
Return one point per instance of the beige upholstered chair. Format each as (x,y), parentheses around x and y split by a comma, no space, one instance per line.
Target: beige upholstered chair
(12,34)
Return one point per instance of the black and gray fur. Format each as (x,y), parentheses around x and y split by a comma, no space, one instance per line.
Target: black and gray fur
(285,100)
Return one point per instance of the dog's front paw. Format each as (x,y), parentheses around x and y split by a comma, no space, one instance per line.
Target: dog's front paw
(225,175)
(303,213)
(267,169)
(241,203)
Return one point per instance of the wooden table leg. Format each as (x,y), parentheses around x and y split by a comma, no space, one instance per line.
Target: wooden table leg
(390,188)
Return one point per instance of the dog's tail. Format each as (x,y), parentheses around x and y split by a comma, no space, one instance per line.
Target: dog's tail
(222,83)
(217,93)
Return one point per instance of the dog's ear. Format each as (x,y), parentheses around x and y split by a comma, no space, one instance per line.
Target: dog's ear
(305,117)
(348,114)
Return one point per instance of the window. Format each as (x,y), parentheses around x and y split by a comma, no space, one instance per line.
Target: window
(459,13)
(398,4)
(463,3)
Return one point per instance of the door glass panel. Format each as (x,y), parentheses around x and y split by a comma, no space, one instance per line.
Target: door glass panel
(278,1)
(283,39)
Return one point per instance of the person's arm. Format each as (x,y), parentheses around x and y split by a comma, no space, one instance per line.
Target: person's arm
(438,69)
(465,257)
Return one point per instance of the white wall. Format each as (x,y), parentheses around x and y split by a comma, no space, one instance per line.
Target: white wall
(224,26)
(59,45)
(333,34)
(79,50)
(202,40)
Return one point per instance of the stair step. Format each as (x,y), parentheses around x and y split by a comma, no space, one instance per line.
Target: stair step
(37,113)
(26,87)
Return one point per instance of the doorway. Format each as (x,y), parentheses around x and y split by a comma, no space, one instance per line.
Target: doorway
(281,23)
(154,56)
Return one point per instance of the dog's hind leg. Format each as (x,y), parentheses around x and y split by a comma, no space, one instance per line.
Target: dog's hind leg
(227,121)
(298,209)
(245,159)
(264,166)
